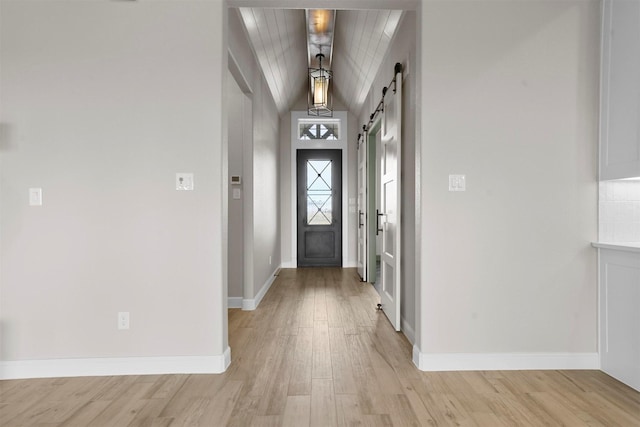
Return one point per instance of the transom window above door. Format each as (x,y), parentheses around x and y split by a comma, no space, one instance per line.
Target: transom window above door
(328,130)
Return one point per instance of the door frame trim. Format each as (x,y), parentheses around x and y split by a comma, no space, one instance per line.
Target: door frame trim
(303,157)
(340,144)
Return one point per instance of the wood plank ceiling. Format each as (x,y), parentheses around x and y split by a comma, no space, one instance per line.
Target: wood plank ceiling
(279,39)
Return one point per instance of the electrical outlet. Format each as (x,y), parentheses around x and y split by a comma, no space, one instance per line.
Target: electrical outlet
(123,320)
(457,183)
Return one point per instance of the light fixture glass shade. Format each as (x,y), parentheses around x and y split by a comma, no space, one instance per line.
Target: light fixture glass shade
(319,92)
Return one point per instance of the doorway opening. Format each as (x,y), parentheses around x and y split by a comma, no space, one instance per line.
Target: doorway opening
(239,208)
(315,136)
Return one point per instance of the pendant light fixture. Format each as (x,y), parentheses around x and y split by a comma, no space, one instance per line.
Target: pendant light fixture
(320,90)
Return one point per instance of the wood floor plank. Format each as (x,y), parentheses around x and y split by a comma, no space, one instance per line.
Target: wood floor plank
(305,312)
(321,350)
(275,397)
(382,420)
(317,352)
(342,373)
(297,411)
(399,409)
(323,403)
(244,411)
(348,411)
(266,421)
(219,409)
(166,386)
(300,381)
(320,305)
(196,386)
(149,415)
(85,414)
(192,413)
(123,410)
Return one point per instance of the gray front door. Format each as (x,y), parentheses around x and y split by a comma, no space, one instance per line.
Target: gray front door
(319,218)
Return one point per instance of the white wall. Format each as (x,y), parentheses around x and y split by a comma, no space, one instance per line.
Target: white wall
(266,170)
(286,197)
(102,103)
(261,168)
(403,50)
(509,98)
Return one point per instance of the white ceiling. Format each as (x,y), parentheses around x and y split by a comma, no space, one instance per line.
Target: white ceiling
(279,40)
(361,41)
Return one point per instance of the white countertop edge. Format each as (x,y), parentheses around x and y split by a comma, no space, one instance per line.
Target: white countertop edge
(623,246)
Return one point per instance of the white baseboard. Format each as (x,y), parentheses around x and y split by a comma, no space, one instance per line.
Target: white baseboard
(503,361)
(408,331)
(234,302)
(96,367)
(252,304)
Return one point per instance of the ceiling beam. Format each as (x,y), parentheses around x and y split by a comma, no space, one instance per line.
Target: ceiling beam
(329,4)
(320,31)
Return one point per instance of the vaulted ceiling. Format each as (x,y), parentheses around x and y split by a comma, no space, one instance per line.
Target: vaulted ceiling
(279,39)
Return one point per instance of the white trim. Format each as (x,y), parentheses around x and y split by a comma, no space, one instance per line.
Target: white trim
(407,330)
(252,304)
(503,361)
(54,368)
(289,264)
(234,302)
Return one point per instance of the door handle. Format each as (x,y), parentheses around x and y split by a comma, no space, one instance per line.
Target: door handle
(360,223)
(378,215)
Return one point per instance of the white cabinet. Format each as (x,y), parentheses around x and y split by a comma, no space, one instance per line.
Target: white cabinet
(620,315)
(620,95)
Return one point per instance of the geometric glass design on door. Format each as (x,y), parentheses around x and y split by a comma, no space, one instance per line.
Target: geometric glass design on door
(319,193)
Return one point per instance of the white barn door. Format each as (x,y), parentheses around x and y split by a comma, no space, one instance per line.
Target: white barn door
(362,207)
(389,219)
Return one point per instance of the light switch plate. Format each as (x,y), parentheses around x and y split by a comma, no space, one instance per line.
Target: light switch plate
(457,183)
(35,197)
(184,181)
(236,194)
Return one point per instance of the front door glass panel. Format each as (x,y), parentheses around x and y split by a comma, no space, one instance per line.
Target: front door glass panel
(319,192)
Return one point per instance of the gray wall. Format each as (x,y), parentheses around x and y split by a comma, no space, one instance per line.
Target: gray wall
(102,103)
(509,98)
(261,168)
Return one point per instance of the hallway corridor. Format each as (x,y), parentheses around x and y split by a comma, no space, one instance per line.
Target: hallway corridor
(316,352)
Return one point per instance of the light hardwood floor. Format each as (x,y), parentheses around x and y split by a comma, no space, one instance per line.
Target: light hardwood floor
(317,353)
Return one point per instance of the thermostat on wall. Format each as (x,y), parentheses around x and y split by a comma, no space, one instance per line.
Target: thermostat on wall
(236,179)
